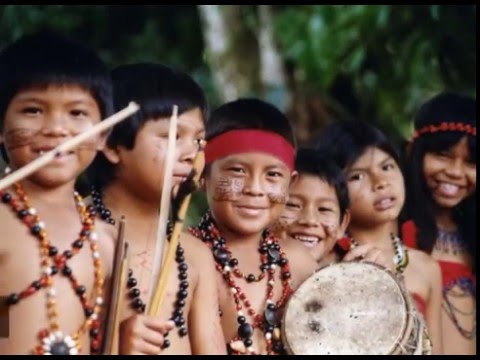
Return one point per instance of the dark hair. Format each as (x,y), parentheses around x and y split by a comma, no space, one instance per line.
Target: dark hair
(249,113)
(317,163)
(46,58)
(156,88)
(445,107)
(347,141)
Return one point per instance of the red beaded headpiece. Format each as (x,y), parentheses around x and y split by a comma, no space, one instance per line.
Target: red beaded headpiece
(446,126)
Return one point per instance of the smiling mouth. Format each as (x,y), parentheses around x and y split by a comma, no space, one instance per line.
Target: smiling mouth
(448,189)
(307,240)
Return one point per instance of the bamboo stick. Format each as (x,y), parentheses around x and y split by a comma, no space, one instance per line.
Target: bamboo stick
(120,266)
(159,294)
(165,202)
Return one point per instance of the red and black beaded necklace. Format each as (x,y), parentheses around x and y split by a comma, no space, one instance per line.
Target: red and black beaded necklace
(271,255)
(52,340)
(134,293)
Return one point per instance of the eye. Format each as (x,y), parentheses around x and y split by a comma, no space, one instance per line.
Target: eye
(79,113)
(356,177)
(32,110)
(236,169)
(275,174)
(291,205)
(388,166)
(324,209)
(442,153)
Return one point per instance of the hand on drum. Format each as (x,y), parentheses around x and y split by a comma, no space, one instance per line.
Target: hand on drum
(370,253)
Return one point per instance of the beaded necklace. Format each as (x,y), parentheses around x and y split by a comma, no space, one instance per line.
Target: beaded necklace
(271,255)
(401,253)
(136,302)
(52,340)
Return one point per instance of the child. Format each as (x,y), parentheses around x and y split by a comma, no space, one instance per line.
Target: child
(377,193)
(55,259)
(442,174)
(249,165)
(316,213)
(129,177)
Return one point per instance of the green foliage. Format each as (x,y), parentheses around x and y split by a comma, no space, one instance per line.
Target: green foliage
(394,56)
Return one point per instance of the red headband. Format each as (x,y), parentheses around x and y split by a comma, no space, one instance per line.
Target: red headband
(446,126)
(245,141)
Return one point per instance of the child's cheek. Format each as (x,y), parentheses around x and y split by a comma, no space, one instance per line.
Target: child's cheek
(277,193)
(228,189)
(16,138)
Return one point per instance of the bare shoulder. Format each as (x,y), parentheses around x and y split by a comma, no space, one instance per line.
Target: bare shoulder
(424,262)
(197,253)
(302,263)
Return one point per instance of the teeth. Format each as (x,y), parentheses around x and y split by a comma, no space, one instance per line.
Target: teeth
(449,189)
(385,202)
(312,239)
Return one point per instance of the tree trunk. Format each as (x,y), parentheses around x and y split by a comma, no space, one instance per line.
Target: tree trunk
(229,51)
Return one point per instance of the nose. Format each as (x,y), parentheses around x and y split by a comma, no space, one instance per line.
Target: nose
(455,168)
(308,217)
(54,126)
(254,186)
(379,182)
(188,148)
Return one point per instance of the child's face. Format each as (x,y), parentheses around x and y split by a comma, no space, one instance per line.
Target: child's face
(39,119)
(142,168)
(376,189)
(312,215)
(450,175)
(247,192)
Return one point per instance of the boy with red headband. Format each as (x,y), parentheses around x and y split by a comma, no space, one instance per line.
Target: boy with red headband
(249,166)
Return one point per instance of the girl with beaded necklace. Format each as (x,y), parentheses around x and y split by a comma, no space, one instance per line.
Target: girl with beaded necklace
(377,194)
(127,176)
(442,204)
(249,164)
(55,259)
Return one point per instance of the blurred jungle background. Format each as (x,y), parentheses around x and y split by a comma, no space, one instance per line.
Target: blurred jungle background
(318,63)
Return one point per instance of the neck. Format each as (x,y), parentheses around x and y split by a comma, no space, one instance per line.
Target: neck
(236,239)
(120,200)
(60,196)
(444,219)
(378,235)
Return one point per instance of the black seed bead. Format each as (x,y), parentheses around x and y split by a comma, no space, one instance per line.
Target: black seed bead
(78,244)
(183,331)
(6,198)
(52,251)
(241,319)
(80,290)
(131,283)
(13,299)
(22,213)
(67,271)
(88,312)
(251,278)
(134,293)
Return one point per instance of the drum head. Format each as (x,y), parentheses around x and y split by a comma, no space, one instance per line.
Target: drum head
(345,308)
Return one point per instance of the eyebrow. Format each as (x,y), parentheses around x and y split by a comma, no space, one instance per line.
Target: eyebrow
(365,169)
(321,199)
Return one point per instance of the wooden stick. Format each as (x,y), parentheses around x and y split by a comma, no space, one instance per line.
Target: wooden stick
(161,287)
(118,291)
(165,202)
(43,160)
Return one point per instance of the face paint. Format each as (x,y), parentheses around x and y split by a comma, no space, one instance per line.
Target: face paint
(277,193)
(17,138)
(228,189)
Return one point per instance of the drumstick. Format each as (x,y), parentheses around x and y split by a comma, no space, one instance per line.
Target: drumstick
(164,204)
(43,160)
(116,296)
(159,293)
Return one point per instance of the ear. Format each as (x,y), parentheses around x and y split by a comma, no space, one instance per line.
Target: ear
(293,176)
(344,225)
(102,140)
(112,155)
